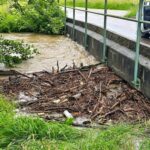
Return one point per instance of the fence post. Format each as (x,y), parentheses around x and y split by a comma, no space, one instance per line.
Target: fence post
(136,81)
(86,18)
(74,5)
(65,16)
(104,33)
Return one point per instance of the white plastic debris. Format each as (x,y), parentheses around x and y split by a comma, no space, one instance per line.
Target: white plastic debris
(56,101)
(68,114)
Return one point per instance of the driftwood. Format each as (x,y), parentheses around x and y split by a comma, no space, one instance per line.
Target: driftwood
(93,91)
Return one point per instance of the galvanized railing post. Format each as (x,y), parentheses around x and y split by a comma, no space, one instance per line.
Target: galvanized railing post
(65,16)
(74,5)
(104,33)
(136,81)
(86,18)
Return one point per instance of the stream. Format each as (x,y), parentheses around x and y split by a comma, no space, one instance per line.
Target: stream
(52,49)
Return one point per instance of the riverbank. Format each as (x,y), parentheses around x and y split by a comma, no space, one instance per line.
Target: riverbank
(31,132)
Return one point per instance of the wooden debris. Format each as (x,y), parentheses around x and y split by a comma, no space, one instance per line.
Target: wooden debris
(96,91)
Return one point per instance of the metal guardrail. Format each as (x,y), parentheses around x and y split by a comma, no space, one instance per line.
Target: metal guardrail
(136,81)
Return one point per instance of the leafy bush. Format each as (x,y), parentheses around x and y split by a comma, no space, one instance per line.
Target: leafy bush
(34,16)
(14,52)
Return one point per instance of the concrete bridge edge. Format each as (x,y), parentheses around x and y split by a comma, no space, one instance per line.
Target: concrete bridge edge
(120,57)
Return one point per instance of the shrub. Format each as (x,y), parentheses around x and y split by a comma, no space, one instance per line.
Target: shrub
(34,16)
(13,52)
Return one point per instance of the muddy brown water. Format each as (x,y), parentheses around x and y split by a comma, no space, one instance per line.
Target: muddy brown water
(51,49)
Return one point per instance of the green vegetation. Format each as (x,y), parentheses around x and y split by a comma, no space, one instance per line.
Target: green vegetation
(33,133)
(112,4)
(99,4)
(17,132)
(31,16)
(2,2)
(132,12)
(14,52)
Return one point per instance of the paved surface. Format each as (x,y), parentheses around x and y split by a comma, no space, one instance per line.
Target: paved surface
(121,27)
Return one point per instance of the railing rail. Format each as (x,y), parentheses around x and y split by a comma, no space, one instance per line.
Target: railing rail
(138,20)
(108,15)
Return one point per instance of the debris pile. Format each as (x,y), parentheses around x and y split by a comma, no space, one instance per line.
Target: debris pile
(88,93)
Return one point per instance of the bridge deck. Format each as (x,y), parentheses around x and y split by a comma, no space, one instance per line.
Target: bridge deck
(124,28)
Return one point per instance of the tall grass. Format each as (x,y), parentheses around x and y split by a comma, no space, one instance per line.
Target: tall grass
(16,130)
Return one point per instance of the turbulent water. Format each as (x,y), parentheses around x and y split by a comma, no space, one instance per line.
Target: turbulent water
(51,49)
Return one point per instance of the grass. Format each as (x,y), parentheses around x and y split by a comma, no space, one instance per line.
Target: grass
(132,12)
(130,5)
(99,4)
(33,133)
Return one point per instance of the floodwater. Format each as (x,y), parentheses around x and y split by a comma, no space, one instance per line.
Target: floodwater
(51,49)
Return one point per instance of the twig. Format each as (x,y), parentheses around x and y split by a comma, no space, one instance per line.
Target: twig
(47,72)
(82,75)
(112,112)
(18,73)
(100,91)
(53,70)
(47,81)
(57,66)
(74,66)
(117,103)
(63,68)
(90,73)
(59,108)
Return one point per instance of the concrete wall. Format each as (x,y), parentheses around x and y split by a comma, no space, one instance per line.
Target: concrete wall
(145,49)
(120,56)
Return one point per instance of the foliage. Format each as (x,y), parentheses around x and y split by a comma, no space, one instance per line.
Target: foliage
(5,105)
(14,52)
(132,12)
(24,128)
(99,4)
(130,5)
(69,121)
(33,16)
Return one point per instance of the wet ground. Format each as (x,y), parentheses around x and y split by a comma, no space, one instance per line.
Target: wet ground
(51,49)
